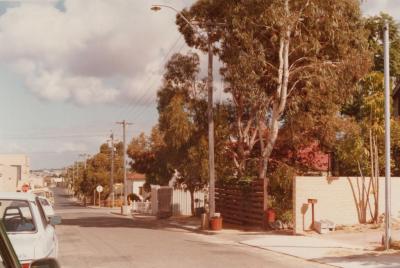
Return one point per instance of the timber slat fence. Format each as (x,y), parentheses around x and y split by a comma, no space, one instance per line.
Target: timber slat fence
(243,205)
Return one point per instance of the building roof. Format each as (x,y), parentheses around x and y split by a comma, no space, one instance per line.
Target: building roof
(136,176)
(17,196)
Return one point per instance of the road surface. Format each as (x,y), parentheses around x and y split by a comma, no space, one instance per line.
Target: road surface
(90,237)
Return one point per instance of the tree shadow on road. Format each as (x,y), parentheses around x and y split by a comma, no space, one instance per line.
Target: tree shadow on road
(123,222)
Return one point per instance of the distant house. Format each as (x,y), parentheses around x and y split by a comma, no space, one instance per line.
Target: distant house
(396,100)
(8,178)
(135,183)
(21,163)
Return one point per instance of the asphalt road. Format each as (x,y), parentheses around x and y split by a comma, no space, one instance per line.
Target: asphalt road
(91,237)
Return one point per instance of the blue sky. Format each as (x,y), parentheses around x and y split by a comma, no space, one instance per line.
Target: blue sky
(70,69)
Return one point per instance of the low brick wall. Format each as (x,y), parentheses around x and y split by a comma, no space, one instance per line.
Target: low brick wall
(335,200)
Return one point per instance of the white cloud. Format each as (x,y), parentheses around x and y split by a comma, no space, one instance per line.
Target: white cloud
(374,7)
(71,147)
(96,51)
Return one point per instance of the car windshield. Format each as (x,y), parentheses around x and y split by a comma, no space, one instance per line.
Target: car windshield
(40,194)
(17,216)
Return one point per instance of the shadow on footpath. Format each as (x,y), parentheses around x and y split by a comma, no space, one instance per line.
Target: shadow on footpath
(119,222)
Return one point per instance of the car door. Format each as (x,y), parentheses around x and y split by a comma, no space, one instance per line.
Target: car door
(50,243)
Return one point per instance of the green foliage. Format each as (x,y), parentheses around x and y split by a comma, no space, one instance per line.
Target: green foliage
(366,121)
(182,120)
(149,156)
(326,47)
(281,187)
(98,170)
(286,216)
(374,25)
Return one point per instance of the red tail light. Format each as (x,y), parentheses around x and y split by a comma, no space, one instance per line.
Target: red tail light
(25,265)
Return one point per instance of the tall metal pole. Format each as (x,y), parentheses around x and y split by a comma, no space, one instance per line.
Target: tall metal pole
(387,137)
(124,124)
(123,148)
(211,128)
(112,170)
(209,108)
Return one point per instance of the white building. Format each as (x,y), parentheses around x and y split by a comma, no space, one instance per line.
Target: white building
(21,163)
(36,181)
(135,182)
(8,178)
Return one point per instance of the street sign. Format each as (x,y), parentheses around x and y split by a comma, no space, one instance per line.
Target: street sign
(99,189)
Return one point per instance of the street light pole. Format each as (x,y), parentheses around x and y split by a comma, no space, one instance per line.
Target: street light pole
(387,137)
(85,157)
(211,128)
(211,160)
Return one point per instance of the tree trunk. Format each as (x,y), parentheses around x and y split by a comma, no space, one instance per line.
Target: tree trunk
(376,193)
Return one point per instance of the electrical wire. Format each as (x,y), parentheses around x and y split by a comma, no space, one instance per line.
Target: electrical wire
(139,110)
(127,107)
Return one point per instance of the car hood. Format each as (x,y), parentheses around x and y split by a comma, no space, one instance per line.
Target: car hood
(24,245)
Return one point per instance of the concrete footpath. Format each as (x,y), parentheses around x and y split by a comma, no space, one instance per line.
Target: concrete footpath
(343,252)
(337,249)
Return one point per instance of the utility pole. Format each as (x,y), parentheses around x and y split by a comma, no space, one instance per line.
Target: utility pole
(124,210)
(112,170)
(85,157)
(210,106)
(73,179)
(84,174)
(211,126)
(387,137)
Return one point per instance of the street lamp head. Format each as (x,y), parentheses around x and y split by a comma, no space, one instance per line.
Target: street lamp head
(155,8)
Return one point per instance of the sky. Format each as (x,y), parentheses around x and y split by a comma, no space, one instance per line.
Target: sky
(70,69)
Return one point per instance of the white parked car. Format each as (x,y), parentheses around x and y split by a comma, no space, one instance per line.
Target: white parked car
(31,232)
(45,192)
(46,205)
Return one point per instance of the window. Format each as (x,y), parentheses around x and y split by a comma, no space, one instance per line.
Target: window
(41,212)
(44,202)
(17,216)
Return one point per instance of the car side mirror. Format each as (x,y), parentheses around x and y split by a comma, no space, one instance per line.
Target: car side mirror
(55,220)
(45,263)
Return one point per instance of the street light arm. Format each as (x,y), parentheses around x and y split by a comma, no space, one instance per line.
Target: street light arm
(154,7)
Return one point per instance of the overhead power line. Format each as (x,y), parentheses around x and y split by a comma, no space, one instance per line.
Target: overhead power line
(54,137)
(124,108)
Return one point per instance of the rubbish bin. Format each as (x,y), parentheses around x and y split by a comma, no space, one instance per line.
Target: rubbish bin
(270,215)
(216,222)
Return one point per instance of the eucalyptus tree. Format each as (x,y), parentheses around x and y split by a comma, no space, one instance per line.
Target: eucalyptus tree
(182,109)
(277,54)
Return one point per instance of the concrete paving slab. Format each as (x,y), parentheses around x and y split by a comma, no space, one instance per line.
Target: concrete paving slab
(322,250)
(302,246)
